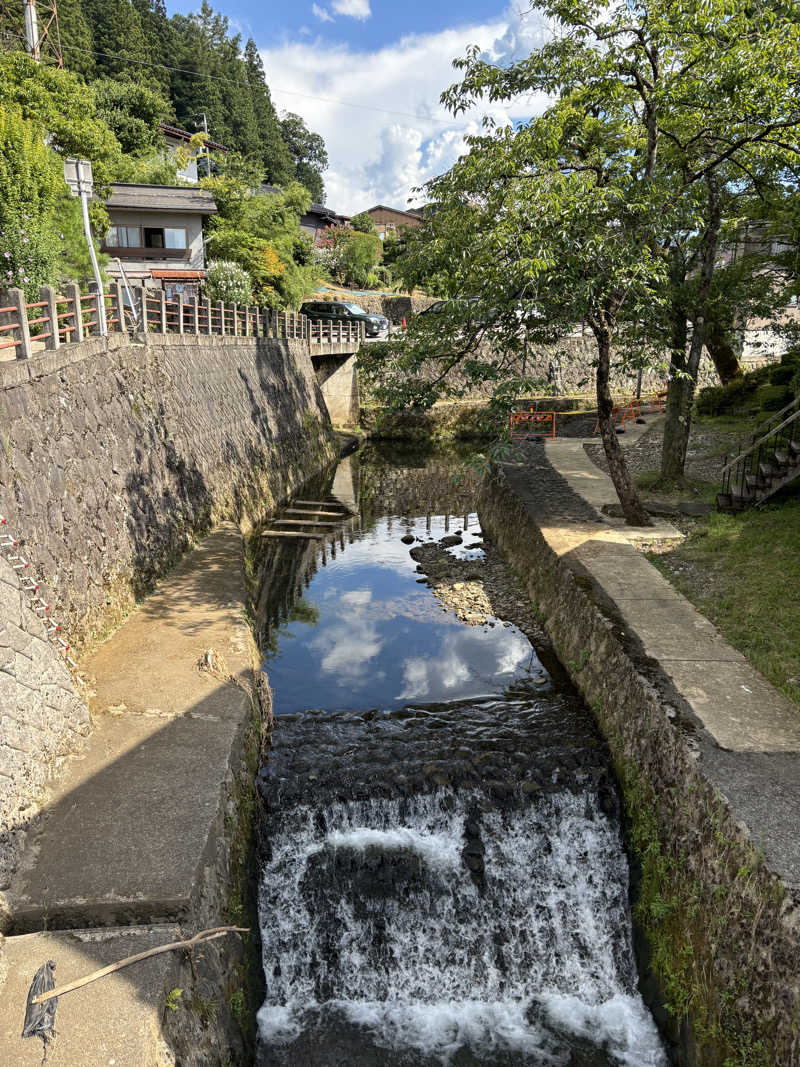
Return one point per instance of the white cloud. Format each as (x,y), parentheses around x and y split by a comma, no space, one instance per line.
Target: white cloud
(397,135)
(321,13)
(357,9)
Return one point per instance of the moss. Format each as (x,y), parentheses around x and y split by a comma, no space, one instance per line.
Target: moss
(688,923)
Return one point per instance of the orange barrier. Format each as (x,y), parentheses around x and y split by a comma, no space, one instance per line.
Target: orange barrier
(520,423)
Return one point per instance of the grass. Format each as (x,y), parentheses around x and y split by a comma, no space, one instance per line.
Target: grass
(743,572)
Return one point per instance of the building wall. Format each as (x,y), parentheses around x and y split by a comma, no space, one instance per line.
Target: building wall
(192,223)
(386,219)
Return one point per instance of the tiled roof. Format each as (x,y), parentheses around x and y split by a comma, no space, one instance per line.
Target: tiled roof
(161,198)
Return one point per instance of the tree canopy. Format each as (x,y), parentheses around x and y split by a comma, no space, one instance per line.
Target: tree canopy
(610,208)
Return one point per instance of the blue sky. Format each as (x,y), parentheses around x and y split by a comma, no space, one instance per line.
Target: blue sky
(367,75)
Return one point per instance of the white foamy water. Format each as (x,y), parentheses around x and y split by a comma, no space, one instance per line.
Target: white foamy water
(369,915)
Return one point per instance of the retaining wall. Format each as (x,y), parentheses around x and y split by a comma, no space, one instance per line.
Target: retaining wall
(720,932)
(115,454)
(42,719)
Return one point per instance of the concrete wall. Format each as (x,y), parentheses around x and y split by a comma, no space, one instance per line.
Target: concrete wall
(721,930)
(338,379)
(116,454)
(42,719)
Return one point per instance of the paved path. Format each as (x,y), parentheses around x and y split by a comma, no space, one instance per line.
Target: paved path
(133,822)
(751,732)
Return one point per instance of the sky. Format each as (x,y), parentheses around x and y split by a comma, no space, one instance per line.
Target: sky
(367,75)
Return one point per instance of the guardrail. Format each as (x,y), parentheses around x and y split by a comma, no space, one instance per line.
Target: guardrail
(61,318)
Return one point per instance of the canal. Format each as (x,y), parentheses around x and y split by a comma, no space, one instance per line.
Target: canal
(443,879)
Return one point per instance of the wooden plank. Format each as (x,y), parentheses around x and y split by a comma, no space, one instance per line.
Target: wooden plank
(289,533)
(322,504)
(303,522)
(303,511)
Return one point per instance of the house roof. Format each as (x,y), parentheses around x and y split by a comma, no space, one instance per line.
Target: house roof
(181,198)
(395,210)
(184,135)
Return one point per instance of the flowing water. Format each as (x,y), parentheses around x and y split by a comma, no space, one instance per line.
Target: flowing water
(443,878)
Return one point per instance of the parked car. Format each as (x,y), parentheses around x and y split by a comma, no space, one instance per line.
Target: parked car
(375,326)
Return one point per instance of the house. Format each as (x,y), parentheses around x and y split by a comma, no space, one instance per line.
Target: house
(392,220)
(156,235)
(316,220)
(178,140)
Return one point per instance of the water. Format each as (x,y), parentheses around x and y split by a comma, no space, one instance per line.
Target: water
(443,876)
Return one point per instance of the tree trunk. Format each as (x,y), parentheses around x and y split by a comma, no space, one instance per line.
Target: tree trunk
(680,393)
(632,508)
(722,352)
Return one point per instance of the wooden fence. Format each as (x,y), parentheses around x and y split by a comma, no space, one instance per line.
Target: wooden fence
(56,319)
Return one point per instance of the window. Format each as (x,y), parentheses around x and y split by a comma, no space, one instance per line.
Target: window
(174,237)
(165,237)
(123,237)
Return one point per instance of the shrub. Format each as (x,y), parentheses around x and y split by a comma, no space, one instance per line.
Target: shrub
(782,374)
(774,397)
(740,393)
(228,281)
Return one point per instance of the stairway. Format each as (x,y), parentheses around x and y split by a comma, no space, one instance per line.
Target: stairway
(771,462)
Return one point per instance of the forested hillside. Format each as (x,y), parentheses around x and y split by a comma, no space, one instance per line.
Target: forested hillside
(198,66)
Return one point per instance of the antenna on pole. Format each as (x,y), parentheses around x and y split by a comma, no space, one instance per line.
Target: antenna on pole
(41,33)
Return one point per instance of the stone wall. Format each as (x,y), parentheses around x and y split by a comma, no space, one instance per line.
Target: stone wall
(42,719)
(116,454)
(719,932)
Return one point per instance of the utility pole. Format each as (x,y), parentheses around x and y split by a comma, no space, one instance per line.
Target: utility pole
(32,30)
(205,152)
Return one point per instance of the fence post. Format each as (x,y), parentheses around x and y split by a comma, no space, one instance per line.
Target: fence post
(248,311)
(97,293)
(140,294)
(118,306)
(209,321)
(180,312)
(221,306)
(47,293)
(73,295)
(235,307)
(162,300)
(196,316)
(16,300)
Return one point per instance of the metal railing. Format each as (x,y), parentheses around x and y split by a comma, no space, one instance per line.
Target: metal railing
(757,470)
(62,318)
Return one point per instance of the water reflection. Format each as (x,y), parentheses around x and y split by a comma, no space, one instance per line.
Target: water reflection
(343,625)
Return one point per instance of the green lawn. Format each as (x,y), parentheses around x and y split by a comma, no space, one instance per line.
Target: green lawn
(743,572)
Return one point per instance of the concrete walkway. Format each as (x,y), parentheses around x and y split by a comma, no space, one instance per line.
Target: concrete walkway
(133,823)
(749,739)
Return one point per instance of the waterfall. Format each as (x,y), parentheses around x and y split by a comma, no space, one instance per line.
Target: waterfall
(444,928)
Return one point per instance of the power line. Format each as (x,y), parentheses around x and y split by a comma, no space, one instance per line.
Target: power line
(241,85)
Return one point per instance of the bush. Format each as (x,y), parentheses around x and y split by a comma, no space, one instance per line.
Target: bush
(774,397)
(740,393)
(228,281)
(782,374)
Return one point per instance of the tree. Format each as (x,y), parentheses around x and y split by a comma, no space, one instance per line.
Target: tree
(133,111)
(31,183)
(308,152)
(362,222)
(262,234)
(352,255)
(654,132)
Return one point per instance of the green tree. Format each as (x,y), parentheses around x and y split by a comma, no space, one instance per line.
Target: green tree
(615,199)
(308,153)
(228,281)
(31,184)
(133,112)
(353,256)
(362,222)
(262,234)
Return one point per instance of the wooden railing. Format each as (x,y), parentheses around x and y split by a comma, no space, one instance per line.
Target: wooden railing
(57,319)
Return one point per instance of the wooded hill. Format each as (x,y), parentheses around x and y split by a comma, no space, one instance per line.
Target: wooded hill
(198,66)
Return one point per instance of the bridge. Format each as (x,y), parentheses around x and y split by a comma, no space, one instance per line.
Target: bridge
(146,315)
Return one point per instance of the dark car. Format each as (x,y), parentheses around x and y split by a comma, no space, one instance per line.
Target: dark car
(338,311)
